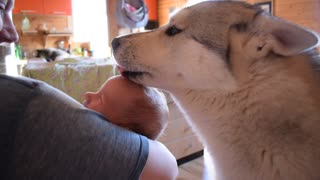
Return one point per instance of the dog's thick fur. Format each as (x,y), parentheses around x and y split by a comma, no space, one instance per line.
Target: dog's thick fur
(247,82)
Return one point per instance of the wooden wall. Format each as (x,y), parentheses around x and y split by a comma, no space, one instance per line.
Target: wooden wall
(302,12)
(153,9)
(113,27)
(165,6)
(35,40)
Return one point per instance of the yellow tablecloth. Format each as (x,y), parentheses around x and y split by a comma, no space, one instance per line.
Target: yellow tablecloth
(72,76)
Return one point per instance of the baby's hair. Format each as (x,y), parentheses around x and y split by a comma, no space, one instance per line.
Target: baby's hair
(148,114)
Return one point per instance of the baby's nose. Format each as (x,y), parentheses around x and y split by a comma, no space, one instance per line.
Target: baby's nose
(85,103)
(87,99)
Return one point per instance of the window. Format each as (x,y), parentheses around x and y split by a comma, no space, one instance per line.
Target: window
(90,24)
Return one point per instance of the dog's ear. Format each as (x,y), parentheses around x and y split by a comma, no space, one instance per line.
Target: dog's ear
(282,37)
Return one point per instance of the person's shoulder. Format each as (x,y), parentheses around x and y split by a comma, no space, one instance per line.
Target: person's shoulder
(16,88)
(18,81)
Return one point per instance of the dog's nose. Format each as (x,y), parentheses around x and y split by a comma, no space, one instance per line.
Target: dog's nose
(115,43)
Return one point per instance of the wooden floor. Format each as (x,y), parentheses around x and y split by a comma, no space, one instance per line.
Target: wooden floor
(192,170)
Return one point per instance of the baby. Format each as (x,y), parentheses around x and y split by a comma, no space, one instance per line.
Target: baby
(132,106)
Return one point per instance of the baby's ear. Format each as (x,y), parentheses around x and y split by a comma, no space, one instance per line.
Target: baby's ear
(284,38)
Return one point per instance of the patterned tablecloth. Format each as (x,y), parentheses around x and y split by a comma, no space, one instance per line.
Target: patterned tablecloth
(72,76)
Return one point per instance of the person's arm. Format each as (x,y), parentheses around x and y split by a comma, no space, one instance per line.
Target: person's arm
(161,164)
(54,137)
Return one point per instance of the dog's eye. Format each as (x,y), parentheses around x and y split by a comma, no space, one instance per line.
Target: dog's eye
(173,30)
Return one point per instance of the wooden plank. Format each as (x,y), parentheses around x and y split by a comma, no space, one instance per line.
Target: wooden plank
(302,12)
(113,27)
(164,9)
(179,136)
(176,130)
(192,170)
(184,146)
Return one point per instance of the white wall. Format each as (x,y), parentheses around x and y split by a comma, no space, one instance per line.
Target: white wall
(90,25)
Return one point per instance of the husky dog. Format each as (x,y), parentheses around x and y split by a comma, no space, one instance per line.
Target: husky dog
(247,82)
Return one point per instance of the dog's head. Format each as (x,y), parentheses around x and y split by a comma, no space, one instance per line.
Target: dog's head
(194,50)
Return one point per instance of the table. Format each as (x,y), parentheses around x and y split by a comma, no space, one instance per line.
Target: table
(74,76)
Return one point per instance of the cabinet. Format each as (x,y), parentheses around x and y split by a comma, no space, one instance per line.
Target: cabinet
(153,9)
(28,6)
(47,7)
(57,7)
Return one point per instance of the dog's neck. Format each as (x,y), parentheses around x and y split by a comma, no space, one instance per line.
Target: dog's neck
(227,122)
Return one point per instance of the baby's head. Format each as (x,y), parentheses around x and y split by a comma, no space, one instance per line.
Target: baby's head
(127,104)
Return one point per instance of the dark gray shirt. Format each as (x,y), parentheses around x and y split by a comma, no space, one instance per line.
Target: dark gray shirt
(45,134)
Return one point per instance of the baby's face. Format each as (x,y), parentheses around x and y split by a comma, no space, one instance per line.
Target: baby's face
(113,97)
(129,105)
